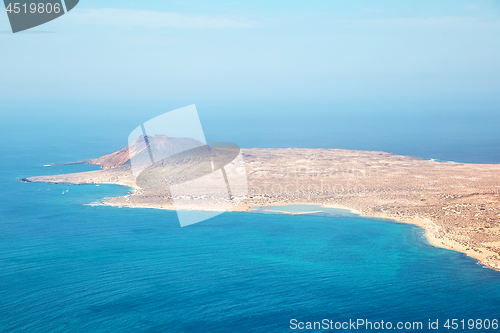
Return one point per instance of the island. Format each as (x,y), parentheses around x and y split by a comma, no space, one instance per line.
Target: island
(458,204)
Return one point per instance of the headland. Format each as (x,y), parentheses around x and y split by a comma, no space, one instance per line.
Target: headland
(457,204)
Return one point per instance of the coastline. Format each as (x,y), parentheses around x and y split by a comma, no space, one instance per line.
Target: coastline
(458,205)
(429,227)
(431,230)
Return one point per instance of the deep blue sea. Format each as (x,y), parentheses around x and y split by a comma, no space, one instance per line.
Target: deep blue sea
(67,265)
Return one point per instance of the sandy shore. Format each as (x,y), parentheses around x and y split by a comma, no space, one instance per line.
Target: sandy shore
(457,204)
(431,229)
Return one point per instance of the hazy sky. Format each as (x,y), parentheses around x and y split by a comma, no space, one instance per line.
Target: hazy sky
(240,53)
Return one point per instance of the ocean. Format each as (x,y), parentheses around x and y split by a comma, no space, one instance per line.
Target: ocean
(69,264)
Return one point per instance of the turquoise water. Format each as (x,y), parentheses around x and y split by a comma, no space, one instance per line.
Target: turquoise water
(70,266)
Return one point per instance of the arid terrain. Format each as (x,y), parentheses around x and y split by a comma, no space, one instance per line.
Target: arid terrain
(457,204)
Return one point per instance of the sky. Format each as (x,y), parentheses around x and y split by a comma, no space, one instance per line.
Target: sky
(240,59)
(273,52)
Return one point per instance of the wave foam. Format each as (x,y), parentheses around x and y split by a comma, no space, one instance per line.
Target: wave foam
(95,203)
